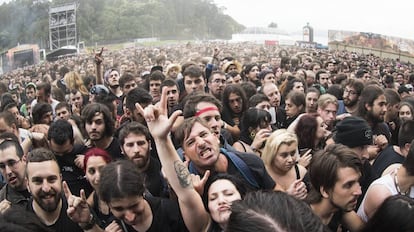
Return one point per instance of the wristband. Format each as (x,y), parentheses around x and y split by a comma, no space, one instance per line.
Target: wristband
(88,225)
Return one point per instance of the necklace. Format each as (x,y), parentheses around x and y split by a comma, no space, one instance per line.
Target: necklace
(398,187)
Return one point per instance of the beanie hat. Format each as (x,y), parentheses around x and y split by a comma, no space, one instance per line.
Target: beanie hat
(353,132)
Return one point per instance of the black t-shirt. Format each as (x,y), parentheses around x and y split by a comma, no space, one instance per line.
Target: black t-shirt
(257,168)
(382,129)
(102,220)
(72,174)
(114,149)
(166,216)
(63,224)
(384,159)
(119,109)
(153,179)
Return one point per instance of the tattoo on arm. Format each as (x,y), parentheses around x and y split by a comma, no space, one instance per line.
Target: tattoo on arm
(182,173)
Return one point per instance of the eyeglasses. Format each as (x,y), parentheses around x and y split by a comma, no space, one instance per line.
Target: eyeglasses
(98,89)
(350,92)
(10,163)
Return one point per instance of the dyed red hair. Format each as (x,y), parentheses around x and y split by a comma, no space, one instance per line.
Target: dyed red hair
(95,151)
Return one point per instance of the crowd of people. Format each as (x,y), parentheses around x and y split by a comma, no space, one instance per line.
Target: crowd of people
(208,137)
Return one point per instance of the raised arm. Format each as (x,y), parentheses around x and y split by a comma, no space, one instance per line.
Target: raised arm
(98,62)
(195,216)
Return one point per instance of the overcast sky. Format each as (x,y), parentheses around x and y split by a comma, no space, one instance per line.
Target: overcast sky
(388,17)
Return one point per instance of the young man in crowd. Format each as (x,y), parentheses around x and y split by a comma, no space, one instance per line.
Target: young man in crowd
(68,155)
(193,79)
(334,176)
(352,91)
(327,108)
(135,141)
(372,107)
(216,84)
(173,94)
(44,181)
(12,167)
(100,126)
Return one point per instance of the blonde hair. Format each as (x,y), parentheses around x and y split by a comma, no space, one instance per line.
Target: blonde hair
(273,143)
(326,99)
(74,81)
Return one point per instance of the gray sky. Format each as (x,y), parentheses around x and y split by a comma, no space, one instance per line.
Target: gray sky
(387,17)
(392,18)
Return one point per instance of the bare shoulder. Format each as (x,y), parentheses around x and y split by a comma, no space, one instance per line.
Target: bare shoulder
(375,196)
(390,169)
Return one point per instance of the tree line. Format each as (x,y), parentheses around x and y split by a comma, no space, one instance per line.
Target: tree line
(99,21)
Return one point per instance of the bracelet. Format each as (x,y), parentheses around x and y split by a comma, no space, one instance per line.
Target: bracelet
(88,225)
(256,150)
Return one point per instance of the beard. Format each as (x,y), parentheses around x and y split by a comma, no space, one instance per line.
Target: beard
(50,204)
(375,119)
(350,103)
(346,208)
(95,136)
(142,161)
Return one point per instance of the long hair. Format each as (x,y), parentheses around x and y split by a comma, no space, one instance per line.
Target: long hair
(252,118)
(90,111)
(227,114)
(306,131)
(74,81)
(368,96)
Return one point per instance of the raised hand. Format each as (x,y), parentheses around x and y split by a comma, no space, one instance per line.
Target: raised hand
(98,56)
(260,138)
(198,183)
(305,159)
(78,209)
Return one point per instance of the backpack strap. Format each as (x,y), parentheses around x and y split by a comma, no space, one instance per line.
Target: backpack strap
(241,166)
(238,162)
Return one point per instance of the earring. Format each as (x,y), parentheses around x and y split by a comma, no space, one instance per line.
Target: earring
(252,134)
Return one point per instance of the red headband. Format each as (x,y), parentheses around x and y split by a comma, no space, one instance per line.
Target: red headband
(205,110)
